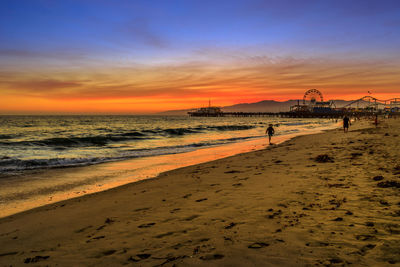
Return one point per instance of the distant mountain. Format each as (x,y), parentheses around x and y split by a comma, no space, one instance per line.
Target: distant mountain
(262,106)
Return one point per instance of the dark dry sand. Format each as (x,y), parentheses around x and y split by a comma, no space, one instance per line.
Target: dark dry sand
(327,199)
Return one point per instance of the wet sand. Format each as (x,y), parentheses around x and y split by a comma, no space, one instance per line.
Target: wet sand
(324,199)
(35,188)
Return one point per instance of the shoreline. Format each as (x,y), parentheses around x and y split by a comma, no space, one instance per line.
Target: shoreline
(276,206)
(104,176)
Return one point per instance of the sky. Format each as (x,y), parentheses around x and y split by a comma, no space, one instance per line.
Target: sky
(138,57)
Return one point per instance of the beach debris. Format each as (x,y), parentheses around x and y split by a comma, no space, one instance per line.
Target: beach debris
(378,178)
(388,184)
(212,257)
(323,158)
(36,259)
(201,199)
(369,224)
(349,213)
(338,219)
(258,245)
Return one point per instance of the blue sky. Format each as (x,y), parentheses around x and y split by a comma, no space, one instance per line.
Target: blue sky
(167,29)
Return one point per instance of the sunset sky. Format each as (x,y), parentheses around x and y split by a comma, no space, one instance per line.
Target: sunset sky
(115,56)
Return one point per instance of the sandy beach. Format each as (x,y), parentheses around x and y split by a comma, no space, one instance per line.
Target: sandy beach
(329,199)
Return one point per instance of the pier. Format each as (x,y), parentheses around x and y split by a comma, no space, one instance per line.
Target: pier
(313,106)
(289,114)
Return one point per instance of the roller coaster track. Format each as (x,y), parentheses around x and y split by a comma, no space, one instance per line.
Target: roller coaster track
(374,101)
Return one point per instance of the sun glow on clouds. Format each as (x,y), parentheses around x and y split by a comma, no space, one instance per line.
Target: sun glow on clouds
(156,88)
(137,57)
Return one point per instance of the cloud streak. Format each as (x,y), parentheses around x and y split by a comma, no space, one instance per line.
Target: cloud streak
(252,78)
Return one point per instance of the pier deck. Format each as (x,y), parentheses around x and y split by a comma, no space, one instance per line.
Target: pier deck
(336,114)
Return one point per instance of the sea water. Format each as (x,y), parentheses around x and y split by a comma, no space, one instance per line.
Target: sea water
(37,152)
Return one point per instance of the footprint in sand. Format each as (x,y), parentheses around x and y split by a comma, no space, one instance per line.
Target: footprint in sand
(139,257)
(141,209)
(106,253)
(190,218)
(231,225)
(9,253)
(233,171)
(146,225)
(258,245)
(332,261)
(164,235)
(36,259)
(212,257)
(174,210)
(365,237)
(83,229)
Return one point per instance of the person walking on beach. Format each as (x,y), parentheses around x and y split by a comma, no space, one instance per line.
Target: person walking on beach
(346,122)
(270,131)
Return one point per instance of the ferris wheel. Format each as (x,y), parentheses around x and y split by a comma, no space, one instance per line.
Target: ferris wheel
(312,96)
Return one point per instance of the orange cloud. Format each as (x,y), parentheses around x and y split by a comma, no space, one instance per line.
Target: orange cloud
(145,89)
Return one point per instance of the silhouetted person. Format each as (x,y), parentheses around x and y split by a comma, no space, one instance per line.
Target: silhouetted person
(346,122)
(270,131)
(376,120)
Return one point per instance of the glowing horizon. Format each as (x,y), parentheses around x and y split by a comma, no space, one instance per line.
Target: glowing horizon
(130,57)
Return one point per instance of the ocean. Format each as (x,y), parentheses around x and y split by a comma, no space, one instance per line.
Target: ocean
(37,152)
